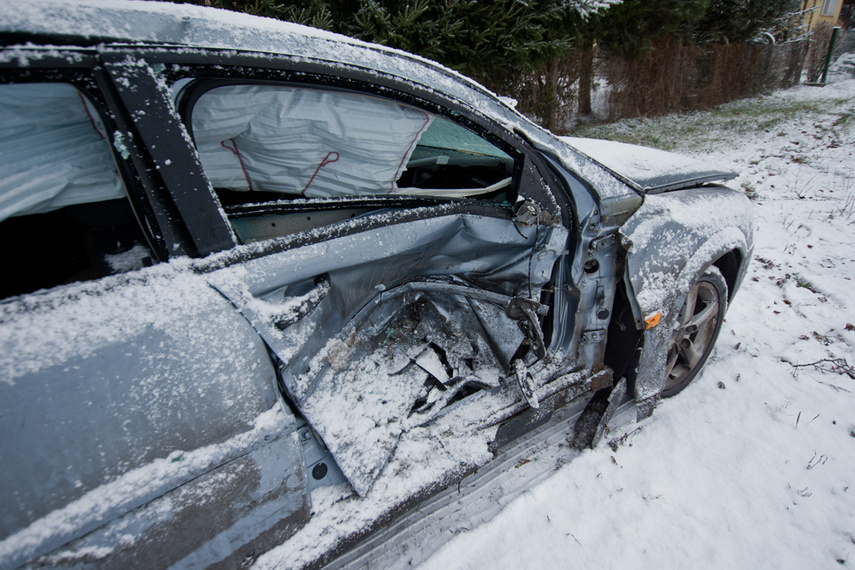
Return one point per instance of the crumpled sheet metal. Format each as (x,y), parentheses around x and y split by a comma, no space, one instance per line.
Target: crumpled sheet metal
(481,252)
(350,343)
(365,391)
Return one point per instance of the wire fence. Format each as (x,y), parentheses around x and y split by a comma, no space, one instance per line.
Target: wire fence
(671,77)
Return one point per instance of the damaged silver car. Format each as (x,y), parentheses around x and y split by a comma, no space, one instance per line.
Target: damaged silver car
(247,260)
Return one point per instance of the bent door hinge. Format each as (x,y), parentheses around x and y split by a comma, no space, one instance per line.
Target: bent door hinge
(525,312)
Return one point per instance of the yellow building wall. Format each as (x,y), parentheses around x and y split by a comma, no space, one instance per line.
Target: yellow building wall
(813,13)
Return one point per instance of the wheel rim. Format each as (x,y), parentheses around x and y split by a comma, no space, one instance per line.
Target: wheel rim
(694,335)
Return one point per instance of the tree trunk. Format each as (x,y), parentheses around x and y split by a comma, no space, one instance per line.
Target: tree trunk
(586,75)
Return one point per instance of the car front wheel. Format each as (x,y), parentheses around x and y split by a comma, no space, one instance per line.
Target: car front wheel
(696,330)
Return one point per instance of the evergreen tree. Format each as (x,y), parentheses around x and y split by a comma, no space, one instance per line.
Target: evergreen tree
(634,26)
(742,20)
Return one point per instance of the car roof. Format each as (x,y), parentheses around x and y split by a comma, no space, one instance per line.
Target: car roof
(93,22)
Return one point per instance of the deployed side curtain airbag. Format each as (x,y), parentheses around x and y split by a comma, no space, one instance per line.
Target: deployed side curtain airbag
(54,151)
(302,141)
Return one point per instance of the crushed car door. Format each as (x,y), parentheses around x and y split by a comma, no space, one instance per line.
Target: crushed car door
(394,260)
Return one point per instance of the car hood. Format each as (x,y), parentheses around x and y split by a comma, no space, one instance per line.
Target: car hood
(648,170)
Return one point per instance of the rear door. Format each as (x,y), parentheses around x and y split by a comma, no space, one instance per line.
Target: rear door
(133,396)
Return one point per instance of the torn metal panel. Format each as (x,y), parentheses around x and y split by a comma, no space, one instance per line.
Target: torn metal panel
(397,368)
(616,398)
(485,254)
(593,422)
(585,281)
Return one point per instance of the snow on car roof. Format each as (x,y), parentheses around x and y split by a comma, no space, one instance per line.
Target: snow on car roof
(137,21)
(160,22)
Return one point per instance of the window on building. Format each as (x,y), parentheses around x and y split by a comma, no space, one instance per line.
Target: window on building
(829,7)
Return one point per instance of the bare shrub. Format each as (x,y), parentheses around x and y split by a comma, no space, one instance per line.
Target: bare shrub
(653,84)
(674,77)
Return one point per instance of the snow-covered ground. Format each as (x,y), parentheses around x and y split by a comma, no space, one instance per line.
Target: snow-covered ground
(753,466)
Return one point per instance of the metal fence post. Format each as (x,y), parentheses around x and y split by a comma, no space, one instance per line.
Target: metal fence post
(834,32)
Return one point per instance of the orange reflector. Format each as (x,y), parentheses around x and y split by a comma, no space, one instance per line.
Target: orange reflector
(652,320)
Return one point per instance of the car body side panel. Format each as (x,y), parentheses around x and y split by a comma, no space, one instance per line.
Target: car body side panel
(301,298)
(673,238)
(116,391)
(223,518)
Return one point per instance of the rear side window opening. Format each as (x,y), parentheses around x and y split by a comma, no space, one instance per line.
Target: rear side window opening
(263,143)
(64,212)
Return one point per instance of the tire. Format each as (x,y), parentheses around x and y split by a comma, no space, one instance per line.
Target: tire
(695,331)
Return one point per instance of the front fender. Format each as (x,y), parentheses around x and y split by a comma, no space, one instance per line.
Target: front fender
(672,240)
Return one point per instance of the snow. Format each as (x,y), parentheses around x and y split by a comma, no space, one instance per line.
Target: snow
(752,465)
(130,260)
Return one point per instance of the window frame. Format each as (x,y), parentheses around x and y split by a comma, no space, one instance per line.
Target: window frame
(186,100)
(193,222)
(204,78)
(80,68)
(214,64)
(829,7)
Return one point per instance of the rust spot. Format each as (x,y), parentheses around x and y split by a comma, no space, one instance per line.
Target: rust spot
(600,380)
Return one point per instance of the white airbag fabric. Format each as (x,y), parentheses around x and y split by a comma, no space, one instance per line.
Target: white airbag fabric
(53,151)
(304,141)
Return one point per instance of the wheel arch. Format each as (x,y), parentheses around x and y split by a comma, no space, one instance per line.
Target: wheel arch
(732,265)
(670,242)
